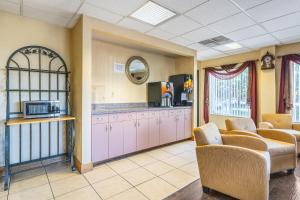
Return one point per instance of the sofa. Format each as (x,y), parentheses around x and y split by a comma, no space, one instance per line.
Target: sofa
(281,145)
(226,163)
(282,122)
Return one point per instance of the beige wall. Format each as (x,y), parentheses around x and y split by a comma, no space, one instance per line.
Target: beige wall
(17,32)
(268,80)
(113,87)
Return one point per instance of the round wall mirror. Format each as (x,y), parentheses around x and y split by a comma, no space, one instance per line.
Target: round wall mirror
(137,69)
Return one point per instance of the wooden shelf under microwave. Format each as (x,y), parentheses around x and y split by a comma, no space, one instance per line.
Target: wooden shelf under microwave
(18,121)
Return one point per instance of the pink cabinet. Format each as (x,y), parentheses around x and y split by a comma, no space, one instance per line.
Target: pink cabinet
(129,132)
(99,142)
(188,123)
(154,131)
(142,134)
(115,139)
(180,132)
(167,128)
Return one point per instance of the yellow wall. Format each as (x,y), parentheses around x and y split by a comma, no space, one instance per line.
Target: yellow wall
(17,32)
(268,80)
(112,87)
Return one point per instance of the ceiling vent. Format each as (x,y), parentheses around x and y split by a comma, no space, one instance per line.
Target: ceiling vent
(216,41)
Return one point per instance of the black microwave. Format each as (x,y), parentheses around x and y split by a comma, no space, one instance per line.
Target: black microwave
(39,109)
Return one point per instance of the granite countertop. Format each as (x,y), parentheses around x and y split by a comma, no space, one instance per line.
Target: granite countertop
(110,110)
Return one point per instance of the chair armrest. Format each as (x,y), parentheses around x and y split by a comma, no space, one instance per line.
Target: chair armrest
(223,167)
(296,126)
(266,125)
(248,142)
(223,131)
(277,134)
(245,133)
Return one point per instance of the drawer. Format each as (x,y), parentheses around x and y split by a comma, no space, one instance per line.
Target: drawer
(115,117)
(164,113)
(172,113)
(99,119)
(142,115)
(153,114)
(180,112)
(187,111)
(129,116)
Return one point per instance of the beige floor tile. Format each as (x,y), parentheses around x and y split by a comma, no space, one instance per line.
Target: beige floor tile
(176,161)
(3,198)
(28,183)
(158,168)
(178,178)
(174,149)
(142,159)
(123,165)
(191,168)
(111,187)
(159,154)
(188,155)
(28,174)
(37,193)
(131,194)
(59,171)
(87,193)
(156,189)
(68,184)
(99,173)
(137,176)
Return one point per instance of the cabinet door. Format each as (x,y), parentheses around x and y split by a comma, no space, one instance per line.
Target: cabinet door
(115,139)
(129,131)
(180,132)
(188,124)
(153,132)
(142,134)
(99,142)
(167,130)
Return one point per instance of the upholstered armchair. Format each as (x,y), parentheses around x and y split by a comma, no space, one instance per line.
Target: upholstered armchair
(238,166)
(282,122)
(282,146)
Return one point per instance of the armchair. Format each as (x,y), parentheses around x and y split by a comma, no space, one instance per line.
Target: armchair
(226,163)
(282,122)
(282,146)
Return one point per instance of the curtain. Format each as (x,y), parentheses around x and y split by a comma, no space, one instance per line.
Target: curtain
(286,83)
(226,72)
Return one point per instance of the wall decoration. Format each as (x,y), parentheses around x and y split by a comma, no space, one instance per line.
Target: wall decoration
(267,61)
(137,70)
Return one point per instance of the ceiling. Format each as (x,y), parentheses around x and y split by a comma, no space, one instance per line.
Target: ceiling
(251,23)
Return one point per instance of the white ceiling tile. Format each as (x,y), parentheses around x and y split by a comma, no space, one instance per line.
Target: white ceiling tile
(209,54)
(273,9)
(67,6)
(99,13)
(200,34)
(290,33)
(232,23)
(246,4)
(290,40)
(160,34)
(180,6)
(198,47)
(225,48)
(44,16)
(212,11)
(260,41)
(181,41)
(10,6)
(121,7)
(238,51)
(282,22)
(179,25)
(135,25)
(246,33)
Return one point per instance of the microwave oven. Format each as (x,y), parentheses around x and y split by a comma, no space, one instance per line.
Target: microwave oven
(40,109)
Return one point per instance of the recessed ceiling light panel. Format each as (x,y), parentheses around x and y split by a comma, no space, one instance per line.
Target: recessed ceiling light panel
(152,13)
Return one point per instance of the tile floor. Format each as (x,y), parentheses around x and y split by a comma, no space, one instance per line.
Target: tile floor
(153,175)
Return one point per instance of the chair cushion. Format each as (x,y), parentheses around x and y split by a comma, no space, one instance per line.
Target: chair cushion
(280,121)
(277,148)
(245,124)
(208,134)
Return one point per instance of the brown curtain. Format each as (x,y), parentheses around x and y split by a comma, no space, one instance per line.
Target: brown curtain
(228,72)
(285,104)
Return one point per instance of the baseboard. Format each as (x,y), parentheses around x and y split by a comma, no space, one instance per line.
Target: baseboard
(83,168)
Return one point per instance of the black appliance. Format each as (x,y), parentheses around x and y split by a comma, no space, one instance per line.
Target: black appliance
(39,109)
(183,84)
(160,94)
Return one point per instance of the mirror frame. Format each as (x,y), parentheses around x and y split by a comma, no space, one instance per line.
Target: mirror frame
(147,71)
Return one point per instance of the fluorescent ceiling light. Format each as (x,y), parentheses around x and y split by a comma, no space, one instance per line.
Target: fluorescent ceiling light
(152,13)
(233,45)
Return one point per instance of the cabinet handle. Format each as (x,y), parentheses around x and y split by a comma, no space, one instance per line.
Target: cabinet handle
(134,124)
(138,124)
(110,127)
(106,128)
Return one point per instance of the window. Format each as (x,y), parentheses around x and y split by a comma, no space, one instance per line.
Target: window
(229,97)
(296,109)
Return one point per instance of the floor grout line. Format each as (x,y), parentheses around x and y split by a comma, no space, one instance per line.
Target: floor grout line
(48,181)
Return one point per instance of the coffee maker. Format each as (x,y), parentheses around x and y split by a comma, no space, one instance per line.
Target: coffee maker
(183,86)
(160,94)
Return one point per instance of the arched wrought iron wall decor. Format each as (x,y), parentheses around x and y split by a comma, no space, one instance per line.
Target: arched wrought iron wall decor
(36,73)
